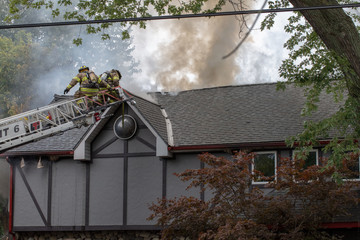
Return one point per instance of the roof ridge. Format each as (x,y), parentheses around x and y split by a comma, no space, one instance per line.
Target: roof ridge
(147,100)
(217,87)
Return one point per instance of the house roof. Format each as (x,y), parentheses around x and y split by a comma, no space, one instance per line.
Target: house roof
(231,115)
(256,113)
(151,111)
(62,142)
(58,143)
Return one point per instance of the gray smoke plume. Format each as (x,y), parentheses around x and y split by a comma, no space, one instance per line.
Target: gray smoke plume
(56,60)
(193,58)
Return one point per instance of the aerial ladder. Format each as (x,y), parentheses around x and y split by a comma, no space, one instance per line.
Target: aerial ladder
(55,118)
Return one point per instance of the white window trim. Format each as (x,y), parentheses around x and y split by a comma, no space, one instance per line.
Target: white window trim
(354,179)
(253,165)
(312,150)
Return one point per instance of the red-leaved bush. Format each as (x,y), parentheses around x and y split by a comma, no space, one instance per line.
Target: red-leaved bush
(294,205)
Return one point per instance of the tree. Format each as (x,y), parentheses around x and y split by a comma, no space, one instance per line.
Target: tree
(55,59)
(324,53)
(301,201)
(15,74)
(323,56)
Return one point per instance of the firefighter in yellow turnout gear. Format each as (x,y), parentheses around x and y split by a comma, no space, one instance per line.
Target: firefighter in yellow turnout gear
(113,79)
(89,83)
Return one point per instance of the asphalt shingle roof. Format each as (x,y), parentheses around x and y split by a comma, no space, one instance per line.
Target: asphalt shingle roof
(152,113)
(65,141)
(221,115)
(238,114)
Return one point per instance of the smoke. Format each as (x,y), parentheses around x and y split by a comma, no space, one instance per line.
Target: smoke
(192,57)
(175,55)
(55,60)
(185,54)
(61,64)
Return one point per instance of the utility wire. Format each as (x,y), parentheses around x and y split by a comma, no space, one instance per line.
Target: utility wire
(137,19)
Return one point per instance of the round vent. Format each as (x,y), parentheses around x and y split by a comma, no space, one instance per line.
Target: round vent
(125,127)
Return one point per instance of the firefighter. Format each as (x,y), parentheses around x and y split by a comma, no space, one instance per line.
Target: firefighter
(89,83)
(112,78)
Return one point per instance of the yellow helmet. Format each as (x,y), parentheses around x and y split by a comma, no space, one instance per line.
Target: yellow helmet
(82,68)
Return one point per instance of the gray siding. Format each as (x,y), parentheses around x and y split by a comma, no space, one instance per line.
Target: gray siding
(34,185)
(4,178)
(175,187)
(145,187)
(68,193)
(106,192)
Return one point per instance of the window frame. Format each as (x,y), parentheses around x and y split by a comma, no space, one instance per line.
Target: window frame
(355,179)
(275,165)
(312,150)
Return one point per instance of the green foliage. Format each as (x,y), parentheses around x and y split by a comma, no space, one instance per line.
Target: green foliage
(300,201)
(53,59)
(15,74)
(318,70)
(103,9)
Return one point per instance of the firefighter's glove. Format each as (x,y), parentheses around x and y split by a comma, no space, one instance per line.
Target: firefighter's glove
(66,91)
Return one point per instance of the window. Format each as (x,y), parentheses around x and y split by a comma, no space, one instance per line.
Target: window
(354,167)
(311,159)
(265,162)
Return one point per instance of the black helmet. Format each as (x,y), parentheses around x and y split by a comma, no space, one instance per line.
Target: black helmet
(82,68)
(118,72)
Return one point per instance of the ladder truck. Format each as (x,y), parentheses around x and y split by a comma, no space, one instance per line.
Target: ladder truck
(54,118)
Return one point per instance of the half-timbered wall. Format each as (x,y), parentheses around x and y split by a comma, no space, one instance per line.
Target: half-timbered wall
(113,191)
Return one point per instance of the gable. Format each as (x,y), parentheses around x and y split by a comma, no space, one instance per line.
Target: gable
(107,143)
(101,139)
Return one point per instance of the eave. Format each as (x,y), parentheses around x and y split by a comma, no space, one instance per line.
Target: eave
(234,146)
(38,153)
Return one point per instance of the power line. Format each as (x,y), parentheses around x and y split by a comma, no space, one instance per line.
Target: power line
(164,17)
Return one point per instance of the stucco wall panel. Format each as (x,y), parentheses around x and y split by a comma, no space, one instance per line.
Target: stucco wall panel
(108,136)
(25,211)
(69,191)
(175,187)
(106,191)
(135,145)
(144,187)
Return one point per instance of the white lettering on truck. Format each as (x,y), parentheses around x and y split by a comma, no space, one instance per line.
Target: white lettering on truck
(12,130)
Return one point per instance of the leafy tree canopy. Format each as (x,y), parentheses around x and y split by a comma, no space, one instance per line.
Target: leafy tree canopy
(15,74)
(52,59)
(99,10)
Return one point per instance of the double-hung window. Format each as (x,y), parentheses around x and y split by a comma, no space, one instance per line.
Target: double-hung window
(310,160)
(265,162)
(354,168)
